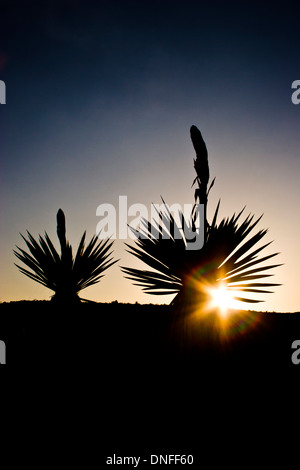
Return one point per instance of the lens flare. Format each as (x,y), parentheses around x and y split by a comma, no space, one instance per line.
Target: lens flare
(213,307)
(222,299)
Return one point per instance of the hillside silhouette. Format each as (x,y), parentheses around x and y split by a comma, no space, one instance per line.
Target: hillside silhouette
(117,335)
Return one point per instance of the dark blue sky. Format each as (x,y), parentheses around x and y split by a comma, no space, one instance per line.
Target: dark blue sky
(100,98)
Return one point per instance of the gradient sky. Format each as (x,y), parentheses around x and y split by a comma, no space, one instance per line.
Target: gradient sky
(100,99)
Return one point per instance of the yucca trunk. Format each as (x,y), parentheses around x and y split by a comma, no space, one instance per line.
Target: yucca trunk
(189,327)
(65,298)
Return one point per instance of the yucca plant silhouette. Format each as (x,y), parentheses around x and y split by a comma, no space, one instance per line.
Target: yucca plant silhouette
(225,258)
(62,273)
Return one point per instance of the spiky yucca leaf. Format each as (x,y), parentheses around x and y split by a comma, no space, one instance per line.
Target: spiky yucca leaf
(60,272)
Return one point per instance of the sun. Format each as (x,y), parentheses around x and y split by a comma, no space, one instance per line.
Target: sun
(222,298)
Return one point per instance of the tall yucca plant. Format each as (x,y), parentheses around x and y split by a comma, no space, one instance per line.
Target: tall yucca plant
(226,256)
(62,273)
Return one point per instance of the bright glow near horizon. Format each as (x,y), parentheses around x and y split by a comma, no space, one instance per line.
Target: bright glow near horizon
(224,299)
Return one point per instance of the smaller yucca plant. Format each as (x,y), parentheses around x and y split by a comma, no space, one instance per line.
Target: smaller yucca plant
(62,273)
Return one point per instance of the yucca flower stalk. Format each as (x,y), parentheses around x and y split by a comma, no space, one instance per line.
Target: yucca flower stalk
(62,273)
(224,259)
(202,171)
